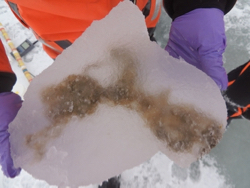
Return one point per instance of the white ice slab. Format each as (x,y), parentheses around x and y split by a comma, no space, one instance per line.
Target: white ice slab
(110,102)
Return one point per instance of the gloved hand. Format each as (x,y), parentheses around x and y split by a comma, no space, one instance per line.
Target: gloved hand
(10,103)
(198,37)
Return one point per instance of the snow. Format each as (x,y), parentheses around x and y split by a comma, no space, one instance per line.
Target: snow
(212,171)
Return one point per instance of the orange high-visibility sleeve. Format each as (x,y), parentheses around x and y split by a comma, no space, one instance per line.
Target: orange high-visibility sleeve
(4,62)
(62,21)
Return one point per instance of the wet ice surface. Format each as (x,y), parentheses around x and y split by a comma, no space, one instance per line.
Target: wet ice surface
(227,164)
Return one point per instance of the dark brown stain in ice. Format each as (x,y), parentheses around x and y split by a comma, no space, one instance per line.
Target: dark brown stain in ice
(179,126)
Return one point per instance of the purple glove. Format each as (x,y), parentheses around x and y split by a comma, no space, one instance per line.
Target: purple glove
(10,103)
(199,38)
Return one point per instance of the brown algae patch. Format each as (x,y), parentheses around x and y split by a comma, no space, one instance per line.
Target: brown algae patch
(179,126)
(64,101)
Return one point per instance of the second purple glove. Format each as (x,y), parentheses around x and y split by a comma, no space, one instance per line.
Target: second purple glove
(199,38)
(10,103)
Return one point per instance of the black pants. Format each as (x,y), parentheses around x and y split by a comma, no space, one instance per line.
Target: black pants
(237,95)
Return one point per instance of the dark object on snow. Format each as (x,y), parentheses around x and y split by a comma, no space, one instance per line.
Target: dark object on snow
(111,183)
(24,48)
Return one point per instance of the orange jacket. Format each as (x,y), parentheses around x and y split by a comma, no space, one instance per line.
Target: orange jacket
(4,62)
(58,23)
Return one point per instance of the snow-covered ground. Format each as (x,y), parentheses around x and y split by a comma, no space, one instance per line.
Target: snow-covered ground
(226,166)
